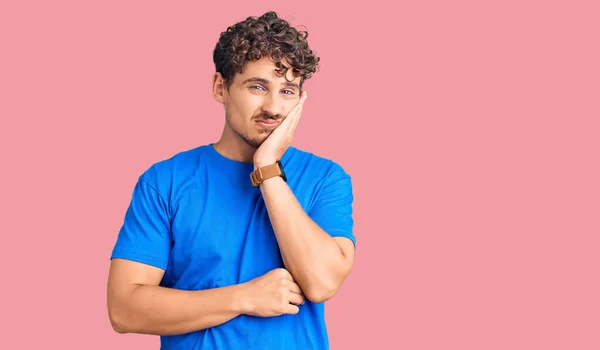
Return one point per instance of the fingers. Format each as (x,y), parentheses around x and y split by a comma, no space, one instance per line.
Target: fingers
(303,97)
(296,119)
(300,104)
(289,284)
(284,274)
(294,288)
(295,295)
(296,299)
(296,112)
(291,309)
(298,107)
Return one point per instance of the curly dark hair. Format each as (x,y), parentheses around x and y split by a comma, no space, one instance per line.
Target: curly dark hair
(265,36)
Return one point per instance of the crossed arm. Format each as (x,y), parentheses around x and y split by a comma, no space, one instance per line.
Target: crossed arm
(318,262)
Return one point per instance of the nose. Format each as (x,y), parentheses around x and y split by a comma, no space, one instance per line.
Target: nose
(272,105)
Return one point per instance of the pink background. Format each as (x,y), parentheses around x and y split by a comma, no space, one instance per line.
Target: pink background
(471,131)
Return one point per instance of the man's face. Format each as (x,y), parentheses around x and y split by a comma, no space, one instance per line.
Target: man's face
(259,99)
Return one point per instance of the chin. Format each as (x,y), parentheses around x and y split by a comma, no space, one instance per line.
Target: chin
(260,137)
(256,141)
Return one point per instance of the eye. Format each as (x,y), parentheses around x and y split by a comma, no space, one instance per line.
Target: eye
(258,87)
(289,92)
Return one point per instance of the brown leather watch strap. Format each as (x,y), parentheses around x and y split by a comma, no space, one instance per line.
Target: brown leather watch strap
(261,174)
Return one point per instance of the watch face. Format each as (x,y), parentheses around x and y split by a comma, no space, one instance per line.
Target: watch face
(282,171)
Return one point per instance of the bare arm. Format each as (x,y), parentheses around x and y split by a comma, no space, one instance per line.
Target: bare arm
(137,304)
(318,262)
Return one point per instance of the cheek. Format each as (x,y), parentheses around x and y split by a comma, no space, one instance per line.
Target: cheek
(289,105)
(247,108)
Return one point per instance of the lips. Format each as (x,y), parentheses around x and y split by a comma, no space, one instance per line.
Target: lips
(268,123)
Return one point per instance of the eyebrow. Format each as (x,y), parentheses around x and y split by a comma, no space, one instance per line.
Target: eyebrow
(267,82)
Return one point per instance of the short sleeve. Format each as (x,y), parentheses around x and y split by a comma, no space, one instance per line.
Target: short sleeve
(332,210)
(145,235)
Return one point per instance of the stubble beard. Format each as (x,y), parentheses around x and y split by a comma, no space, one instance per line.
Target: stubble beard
(252,142)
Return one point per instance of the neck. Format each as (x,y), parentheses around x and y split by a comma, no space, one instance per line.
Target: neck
(231,146)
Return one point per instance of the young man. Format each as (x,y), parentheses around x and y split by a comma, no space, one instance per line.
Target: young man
(237,244)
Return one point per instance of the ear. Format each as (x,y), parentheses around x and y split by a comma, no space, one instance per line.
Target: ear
(219,89)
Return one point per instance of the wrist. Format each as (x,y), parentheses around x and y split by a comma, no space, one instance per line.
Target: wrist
(242,301)
(269,181)
(263,163)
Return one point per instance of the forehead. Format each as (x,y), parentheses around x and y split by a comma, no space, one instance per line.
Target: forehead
(265,68)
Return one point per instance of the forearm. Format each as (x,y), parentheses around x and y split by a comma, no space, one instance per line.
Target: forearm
(312,256)
(148,309)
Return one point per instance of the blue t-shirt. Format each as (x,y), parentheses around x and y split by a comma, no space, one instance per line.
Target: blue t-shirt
(198,217)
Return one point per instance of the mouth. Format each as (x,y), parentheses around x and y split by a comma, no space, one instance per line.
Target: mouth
(268,124)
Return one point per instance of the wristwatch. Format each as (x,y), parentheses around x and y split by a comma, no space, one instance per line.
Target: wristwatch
(261,174)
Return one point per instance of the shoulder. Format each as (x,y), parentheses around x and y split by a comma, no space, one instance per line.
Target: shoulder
(321,179)
(318,165)
(163,174)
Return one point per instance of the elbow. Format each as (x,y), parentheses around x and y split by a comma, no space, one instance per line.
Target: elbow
(119,319)
(321,292)
(323,287)
(119,329)
(118,322)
